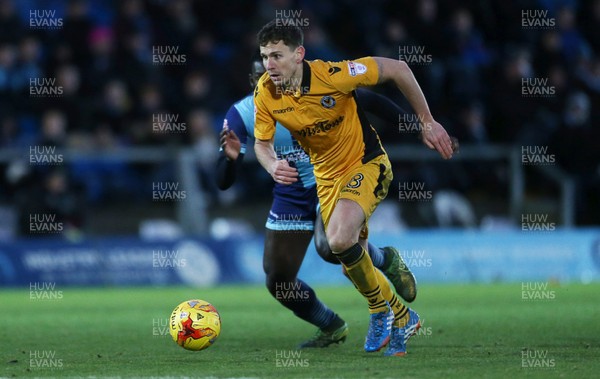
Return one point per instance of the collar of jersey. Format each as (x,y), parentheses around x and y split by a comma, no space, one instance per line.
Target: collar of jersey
(305,86)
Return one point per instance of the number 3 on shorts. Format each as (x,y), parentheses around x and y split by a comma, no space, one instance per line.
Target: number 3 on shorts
(356,180)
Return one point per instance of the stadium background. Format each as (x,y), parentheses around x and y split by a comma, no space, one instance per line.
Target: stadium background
(110,112)
(109,217)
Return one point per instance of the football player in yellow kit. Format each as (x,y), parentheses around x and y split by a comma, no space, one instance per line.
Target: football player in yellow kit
(316,102)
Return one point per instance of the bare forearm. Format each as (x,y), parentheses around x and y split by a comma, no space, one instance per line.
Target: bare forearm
(265,154)
(279,169)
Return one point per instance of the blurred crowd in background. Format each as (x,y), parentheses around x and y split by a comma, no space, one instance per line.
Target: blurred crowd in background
(477,53)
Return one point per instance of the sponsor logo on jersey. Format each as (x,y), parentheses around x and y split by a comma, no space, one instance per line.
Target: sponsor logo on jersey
(320,126)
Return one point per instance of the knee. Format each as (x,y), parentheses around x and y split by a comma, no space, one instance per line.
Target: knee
(339,241)
(341,237)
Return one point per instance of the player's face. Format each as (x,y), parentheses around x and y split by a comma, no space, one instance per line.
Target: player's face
(282,63)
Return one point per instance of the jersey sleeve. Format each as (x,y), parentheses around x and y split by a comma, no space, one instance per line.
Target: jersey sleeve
(346,76)
(233,121)
(264,123)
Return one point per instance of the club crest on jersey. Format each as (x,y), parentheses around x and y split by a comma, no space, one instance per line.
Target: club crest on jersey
(356,68)
(327,101)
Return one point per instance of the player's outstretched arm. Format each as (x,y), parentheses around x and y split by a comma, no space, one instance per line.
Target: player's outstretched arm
(279,169)
(434,135)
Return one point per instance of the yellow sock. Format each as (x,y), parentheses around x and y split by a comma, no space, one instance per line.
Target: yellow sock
(400,310)
(361,272)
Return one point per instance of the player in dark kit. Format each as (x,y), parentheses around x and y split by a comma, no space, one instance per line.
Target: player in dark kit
(291,221)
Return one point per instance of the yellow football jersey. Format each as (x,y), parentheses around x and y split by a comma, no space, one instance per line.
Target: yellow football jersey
(323,115)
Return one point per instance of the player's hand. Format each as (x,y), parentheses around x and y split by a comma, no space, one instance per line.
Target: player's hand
(435,137)
(283,173)
(230,143)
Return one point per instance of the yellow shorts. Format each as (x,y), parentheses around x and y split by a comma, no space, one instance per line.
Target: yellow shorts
(366,185)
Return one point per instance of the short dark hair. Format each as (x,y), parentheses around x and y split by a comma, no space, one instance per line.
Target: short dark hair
(275,31)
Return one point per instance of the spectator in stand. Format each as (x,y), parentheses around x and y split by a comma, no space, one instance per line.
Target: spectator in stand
(115,107)
(199,88)
(102,67)
(29,64)
(589,16)
(57,199)
(509,110)
(11,28)
(8,60)
(204,141)
(76,31)
(71,102)
(572,41)
(54,129)
(468,57)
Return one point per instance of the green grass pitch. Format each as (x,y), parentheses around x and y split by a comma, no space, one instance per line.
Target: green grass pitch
(469,331)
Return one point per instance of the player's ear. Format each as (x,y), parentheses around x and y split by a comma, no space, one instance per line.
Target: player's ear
(299,54)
